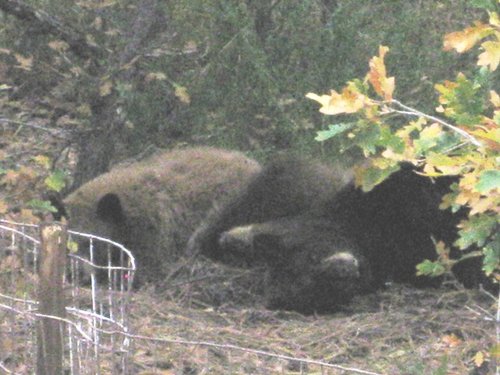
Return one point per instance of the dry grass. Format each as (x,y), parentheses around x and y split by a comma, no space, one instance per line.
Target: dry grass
(400,330)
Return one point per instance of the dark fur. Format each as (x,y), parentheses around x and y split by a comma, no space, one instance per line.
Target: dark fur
(287,187)
(388,231)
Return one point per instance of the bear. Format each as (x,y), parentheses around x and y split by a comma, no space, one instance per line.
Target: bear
(321,252)
(152,206)
(311,265)
(288,186)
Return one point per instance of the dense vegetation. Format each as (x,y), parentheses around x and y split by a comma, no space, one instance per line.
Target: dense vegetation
(215,72)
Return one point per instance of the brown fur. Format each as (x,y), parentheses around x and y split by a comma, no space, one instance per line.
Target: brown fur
(154,205)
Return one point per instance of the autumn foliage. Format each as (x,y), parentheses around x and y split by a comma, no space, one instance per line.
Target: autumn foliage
(462,140)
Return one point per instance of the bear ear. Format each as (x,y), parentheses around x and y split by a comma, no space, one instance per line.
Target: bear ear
(109,209)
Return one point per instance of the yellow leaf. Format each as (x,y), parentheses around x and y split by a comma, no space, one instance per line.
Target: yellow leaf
(90,40)
(390,154)
(76,71)
(96,5)
(25,63)
(484,204)
(155,76)
(491,136)
(495,98)
(467,181)
(383,85)
(451,340)
(494,19)
(72,246)
(442,160)
(350,101)
(66,120)
(190,47)
(490,56)
(182,94)
(42,160)
(462,41)
(479,359)
(464,197)
(59,45)
(105,88)
(3,207)
(84,110)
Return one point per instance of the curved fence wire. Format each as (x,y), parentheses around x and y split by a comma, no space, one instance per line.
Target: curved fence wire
(97,284)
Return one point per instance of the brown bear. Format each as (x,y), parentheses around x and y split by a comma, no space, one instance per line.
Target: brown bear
(153,206)
(323,247)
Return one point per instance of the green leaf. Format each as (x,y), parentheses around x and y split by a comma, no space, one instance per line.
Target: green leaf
(476,230)
(430,268)
(72,246)
(488,180)
(428,138)
(40,205)
(464,101)
(389,140)
(368,138)
(495,352)
(372,176)
(491,260)
(3,170)
(333,130)
(56,181)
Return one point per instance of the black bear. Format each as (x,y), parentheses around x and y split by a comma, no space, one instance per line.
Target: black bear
(323,247)
(288,186)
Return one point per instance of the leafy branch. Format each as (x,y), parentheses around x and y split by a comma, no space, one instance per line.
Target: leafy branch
(473,114)
(415,112)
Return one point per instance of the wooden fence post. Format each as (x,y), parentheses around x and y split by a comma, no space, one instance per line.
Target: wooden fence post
(50,332)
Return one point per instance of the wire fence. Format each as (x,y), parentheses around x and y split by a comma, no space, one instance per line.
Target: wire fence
(96,292)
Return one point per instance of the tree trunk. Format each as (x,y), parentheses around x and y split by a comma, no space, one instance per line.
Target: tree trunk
(96,150)
(97,147)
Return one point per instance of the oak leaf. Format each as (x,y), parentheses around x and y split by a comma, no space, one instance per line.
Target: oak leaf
(349,101)
(464,40)
(383,85)
(491,55)
(479,359)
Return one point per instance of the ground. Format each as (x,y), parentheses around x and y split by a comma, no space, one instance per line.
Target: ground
(399,330)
